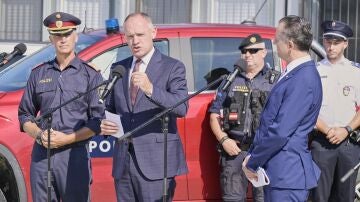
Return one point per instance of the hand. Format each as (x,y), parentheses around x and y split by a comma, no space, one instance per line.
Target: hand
(231,147)
(337,135)
(249,174)
(141,80)
(57,139)
(108,127)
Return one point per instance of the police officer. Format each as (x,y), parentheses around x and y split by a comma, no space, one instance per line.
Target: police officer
(332,149)
(49,85)
(234,116)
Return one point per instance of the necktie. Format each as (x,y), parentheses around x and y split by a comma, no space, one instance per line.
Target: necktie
(134,89)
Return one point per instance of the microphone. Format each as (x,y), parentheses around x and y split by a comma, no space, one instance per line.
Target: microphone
(2,55)
(117,73)
(239,65)
(19,49)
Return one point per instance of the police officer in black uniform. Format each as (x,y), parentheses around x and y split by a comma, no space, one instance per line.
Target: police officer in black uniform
(49,85)
(235,113)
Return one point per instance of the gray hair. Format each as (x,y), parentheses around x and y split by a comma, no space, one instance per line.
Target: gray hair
(298,30)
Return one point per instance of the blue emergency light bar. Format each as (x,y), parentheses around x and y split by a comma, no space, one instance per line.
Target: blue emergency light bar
(112,26)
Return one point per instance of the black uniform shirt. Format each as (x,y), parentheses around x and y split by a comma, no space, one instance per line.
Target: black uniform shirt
(49,87)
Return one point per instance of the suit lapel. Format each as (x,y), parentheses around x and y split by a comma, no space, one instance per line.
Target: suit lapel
(126,82)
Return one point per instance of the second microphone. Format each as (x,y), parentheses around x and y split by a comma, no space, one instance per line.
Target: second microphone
(117,73)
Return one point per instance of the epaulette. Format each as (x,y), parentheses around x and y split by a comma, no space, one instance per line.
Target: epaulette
(356,64)
(92,66)
(39,65)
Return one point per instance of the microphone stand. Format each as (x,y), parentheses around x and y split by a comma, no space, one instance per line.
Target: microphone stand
(47,117)
(349,173)
(164,115)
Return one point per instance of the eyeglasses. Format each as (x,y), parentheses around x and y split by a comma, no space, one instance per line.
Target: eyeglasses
(250,50)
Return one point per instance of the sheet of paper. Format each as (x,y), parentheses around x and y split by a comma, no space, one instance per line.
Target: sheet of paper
(116,119)
(263,179)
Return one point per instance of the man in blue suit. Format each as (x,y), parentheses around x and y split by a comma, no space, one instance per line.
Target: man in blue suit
(281,142)
(152,82)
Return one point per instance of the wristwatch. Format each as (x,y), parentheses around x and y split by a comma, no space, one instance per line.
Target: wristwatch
(348,129)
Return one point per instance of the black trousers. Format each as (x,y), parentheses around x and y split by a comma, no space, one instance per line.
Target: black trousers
(334,162)
(234,184)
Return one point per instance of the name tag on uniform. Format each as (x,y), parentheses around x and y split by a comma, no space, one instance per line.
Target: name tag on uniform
(243,89)
(47,80)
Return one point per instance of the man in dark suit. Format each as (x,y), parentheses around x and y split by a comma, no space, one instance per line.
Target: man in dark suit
(152,82)
(281,142)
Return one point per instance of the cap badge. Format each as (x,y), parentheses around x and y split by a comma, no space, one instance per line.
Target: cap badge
(252,39)
(333,24)
(58,16)
(59,23)
(346,90)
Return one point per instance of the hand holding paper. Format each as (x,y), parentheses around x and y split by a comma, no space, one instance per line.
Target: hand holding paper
(262,178)
(112,125)
(257,179)
(249,173)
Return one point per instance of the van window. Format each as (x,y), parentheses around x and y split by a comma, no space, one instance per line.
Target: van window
(213,57)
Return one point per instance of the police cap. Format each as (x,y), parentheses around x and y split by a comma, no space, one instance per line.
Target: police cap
(61,23)
(336,29)
(251,40)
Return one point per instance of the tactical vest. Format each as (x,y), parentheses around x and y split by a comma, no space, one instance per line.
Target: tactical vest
(242,111)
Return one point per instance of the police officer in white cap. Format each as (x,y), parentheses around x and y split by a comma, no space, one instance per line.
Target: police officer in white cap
(332,148)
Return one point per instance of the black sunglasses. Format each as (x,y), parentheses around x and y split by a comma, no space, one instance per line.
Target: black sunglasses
(250,50)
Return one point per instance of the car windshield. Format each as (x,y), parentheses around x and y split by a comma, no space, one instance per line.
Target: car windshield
(15,76)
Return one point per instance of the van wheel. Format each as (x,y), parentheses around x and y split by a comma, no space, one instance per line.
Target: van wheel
(2,197)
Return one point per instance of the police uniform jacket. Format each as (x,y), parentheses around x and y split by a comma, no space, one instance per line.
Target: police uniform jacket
(49,87)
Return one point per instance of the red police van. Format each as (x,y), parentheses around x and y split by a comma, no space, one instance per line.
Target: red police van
(202,47)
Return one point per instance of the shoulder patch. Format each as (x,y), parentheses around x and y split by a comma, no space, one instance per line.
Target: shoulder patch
(356,64)
(92,66)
